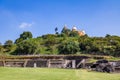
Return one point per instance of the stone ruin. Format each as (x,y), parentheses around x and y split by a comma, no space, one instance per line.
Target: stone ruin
(60,61)
(106,66)
(50,61)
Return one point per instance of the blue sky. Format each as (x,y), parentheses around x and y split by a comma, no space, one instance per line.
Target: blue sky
(96,17)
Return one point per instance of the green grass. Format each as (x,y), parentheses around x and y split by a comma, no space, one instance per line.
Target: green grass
(53,74)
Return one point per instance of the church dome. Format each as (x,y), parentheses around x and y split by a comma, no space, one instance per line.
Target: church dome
(74,28)
(83,32)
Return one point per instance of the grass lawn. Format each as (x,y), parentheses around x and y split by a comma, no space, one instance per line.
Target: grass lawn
(53,74)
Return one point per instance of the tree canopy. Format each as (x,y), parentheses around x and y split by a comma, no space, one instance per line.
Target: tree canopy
(24,36)
(66,42)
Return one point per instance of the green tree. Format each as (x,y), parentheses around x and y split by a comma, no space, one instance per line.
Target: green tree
(27,47)
(1,48)
(85,43)
(18,40)
(68,47)
(108,35)
(49,39)
(8,45)
(24,36)
(66,31)
(56,30)
(74,34)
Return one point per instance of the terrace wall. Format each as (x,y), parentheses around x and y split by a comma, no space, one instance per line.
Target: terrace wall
(44,61)
(1,63)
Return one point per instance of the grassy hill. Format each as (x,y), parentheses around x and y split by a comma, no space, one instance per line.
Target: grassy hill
(67,42)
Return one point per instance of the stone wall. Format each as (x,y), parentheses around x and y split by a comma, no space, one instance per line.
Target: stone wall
(44,61)
(1,63)
(36,63)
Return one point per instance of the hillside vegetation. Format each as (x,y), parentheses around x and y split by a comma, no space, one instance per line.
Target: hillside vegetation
(66,42)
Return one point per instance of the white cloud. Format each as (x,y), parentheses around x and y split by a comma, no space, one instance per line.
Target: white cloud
(25,25)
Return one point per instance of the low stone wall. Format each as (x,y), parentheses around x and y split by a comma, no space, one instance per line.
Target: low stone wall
(49,61)
(1,63)
(13,63)
(36,63)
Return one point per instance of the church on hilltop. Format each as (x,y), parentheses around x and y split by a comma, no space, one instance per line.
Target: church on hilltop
(74,29)
(80,32)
